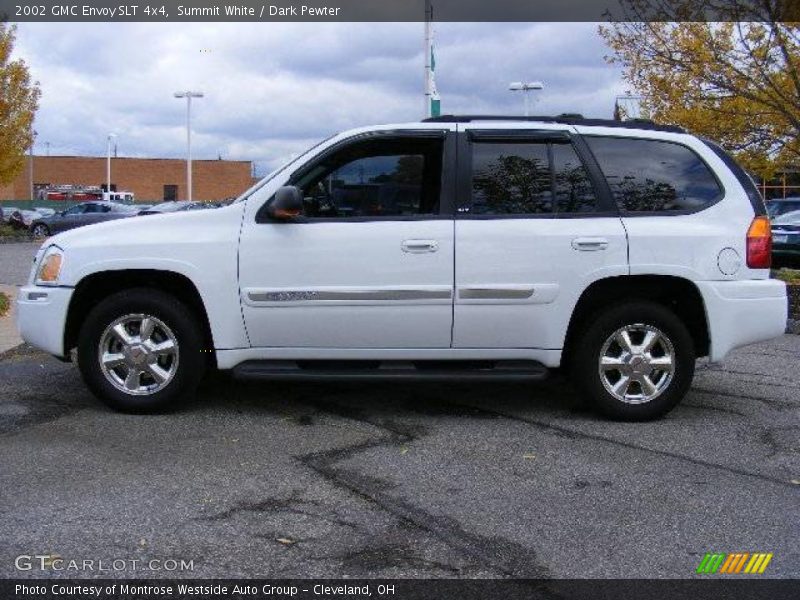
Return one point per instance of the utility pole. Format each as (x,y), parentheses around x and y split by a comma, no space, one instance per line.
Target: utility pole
(111,136)
(188,95)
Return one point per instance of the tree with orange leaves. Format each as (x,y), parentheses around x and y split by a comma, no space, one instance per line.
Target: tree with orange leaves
(19,99)
(735,80)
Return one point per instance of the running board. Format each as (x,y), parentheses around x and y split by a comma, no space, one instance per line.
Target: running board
(428,370)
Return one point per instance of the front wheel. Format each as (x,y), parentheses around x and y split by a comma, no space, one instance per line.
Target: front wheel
(40,230)
(140,350)
(635,361)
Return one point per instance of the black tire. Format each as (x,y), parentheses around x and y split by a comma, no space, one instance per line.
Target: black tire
(589,346)
(40,230)
(182,323)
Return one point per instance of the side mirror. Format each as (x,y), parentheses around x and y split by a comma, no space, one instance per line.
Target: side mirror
(287,204)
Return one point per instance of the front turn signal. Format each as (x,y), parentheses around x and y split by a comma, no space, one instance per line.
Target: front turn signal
(50,268)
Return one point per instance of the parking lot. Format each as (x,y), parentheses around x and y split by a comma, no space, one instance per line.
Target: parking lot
(388,480)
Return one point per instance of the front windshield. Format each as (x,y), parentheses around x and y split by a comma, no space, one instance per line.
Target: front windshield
(249,192)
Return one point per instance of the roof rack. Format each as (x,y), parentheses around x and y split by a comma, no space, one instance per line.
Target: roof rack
(565,118)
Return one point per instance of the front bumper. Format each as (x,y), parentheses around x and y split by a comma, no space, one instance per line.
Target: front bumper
(743,312)
(42,316)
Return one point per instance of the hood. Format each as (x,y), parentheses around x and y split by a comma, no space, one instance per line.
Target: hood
(138,230)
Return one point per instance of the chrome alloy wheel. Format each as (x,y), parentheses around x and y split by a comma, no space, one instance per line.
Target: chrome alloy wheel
(138,354)
(637,363)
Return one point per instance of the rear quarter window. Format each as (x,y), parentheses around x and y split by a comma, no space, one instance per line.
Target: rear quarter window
(647,176)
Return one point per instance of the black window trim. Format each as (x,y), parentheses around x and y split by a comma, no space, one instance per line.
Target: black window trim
(606,206)
(446,190)
(659,213)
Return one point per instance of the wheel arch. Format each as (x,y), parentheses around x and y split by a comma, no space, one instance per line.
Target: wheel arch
(95,287)
(678,294)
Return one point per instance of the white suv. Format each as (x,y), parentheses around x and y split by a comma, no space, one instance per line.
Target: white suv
(460,247)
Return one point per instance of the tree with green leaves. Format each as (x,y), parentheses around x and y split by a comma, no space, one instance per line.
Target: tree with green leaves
(19,99)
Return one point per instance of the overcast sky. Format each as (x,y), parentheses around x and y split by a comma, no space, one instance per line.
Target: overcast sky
(271,90)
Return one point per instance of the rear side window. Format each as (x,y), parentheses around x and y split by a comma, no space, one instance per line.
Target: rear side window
(654,176)
(511,179)
(741,176)
(528,178)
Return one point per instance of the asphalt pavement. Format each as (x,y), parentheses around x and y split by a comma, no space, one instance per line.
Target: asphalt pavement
(387,480)
(16,261)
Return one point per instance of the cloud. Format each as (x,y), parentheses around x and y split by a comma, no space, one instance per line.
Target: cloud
(272,89)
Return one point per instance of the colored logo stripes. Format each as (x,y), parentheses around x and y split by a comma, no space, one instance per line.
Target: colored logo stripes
(735,562)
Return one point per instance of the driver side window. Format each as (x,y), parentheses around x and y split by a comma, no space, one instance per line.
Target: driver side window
(375,178)
(78,209)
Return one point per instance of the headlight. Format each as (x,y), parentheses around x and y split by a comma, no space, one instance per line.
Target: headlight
(50,267)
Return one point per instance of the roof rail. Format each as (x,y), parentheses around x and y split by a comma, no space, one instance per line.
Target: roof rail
(565,118)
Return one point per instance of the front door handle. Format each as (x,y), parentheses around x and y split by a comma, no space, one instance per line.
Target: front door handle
(419,246)
(589,244)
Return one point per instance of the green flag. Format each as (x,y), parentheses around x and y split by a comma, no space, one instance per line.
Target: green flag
(436,103)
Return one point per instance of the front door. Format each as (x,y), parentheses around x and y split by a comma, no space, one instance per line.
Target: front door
(369,264)
(534,229)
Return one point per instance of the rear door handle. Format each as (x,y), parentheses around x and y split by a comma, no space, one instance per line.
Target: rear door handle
(419,246)
(590,244)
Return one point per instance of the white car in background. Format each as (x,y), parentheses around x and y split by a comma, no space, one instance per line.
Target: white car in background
(468,248)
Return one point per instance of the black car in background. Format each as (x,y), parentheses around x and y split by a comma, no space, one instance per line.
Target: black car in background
(786,238)
(176,206)
(780,206)
(85,213)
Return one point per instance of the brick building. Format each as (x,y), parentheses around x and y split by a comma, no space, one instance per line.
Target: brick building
(150,179)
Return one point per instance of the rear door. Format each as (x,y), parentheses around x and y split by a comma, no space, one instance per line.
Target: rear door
(535,226)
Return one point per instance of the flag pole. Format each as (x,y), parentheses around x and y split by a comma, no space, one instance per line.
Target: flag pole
(428,56)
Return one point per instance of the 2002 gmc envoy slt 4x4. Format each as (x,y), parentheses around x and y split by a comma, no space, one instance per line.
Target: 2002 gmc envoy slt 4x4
(463,247)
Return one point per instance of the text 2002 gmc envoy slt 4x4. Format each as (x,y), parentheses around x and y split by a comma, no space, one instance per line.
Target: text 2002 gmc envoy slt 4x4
(462,247)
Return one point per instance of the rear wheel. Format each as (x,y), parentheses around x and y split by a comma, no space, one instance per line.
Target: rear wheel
(140,350)
(635,362)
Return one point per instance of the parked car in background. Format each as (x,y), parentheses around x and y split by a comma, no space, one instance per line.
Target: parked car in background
(786,237)
(79,215)
(22,219)
(25,217)
(175,206)
(781,206)
(7,211)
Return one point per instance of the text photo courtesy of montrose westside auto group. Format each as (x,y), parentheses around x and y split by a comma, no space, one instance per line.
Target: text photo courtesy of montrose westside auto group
(408,299)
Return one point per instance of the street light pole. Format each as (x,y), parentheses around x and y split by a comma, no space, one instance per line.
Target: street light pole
(30,160)
(525,88)
(188,95)
(108,162)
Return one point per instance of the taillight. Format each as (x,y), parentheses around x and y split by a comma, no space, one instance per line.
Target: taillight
(759,243)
